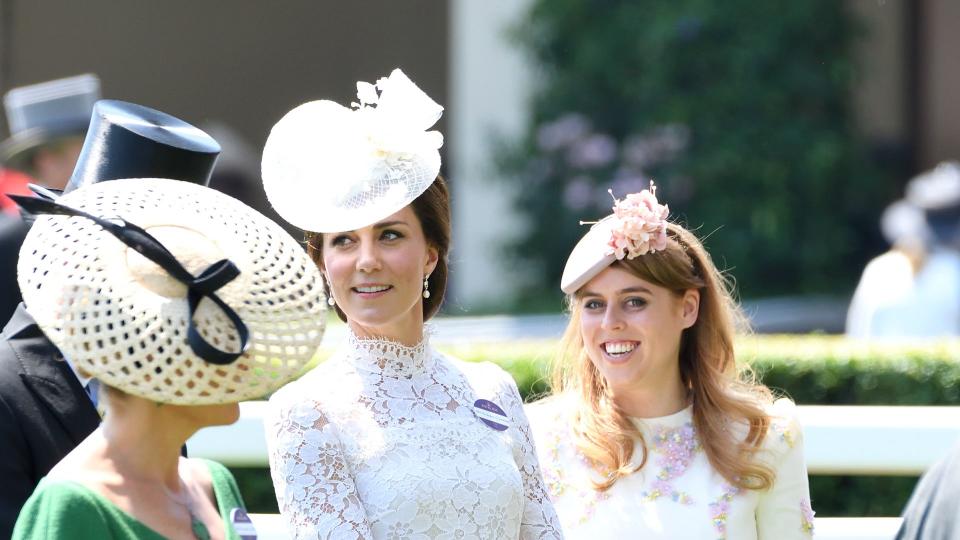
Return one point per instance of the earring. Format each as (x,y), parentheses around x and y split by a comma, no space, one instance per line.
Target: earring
(426,287)
(330,301)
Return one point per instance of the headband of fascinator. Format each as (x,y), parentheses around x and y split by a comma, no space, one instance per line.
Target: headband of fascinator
(638,226)
(329,168)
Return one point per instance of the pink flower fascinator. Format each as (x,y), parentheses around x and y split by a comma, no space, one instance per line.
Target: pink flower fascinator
(638,226)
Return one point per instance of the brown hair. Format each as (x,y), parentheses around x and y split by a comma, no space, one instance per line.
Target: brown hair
(722,393)
(432,209)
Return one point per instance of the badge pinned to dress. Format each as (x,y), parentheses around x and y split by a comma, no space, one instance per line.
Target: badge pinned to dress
(491,414)
(242,524)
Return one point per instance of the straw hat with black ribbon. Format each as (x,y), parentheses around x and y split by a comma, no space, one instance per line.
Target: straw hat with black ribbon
(171,291)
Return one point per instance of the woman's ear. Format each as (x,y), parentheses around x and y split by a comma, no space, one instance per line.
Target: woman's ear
(691,307)
(433,255)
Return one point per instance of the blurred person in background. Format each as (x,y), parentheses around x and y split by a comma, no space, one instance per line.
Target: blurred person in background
(654,431)
(47,123)
(389,438)
(913,290)
(46,405)
(180,301)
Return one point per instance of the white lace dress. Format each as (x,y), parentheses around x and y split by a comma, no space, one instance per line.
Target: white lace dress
(382,441)
(677,494)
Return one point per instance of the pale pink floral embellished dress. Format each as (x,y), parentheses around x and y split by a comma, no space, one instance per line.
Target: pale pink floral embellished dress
(677,495)
(382,441)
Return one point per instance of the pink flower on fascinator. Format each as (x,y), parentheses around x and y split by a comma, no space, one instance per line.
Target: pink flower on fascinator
(640,224)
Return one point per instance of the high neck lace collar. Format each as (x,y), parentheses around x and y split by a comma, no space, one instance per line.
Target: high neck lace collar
(390,358)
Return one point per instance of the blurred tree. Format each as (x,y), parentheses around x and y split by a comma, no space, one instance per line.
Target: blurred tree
(739,110)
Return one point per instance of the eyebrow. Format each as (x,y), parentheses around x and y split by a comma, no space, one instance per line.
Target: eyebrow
(385,224)
(638,288)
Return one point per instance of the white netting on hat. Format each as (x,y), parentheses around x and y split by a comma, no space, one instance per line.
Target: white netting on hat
(327,168)
(124,320)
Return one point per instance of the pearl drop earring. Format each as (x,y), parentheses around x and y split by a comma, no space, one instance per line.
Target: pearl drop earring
(330,301)
(426,287)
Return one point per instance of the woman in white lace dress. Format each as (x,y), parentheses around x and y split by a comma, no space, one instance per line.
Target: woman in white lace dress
(389,438)
(653,433)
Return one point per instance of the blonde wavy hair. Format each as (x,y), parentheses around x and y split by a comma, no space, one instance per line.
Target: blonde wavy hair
(723,394)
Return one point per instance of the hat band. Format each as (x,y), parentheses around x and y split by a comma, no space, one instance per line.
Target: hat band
(199,287)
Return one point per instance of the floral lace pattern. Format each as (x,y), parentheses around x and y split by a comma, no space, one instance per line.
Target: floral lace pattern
(381,442)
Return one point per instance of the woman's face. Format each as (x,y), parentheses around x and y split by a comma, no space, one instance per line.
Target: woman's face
(631,330)
(376,275)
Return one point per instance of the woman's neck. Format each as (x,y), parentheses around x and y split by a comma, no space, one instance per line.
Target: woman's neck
(652,402)
(407,331)
(143,440)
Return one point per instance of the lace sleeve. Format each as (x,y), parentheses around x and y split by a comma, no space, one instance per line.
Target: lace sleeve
(312,480)
(539,518)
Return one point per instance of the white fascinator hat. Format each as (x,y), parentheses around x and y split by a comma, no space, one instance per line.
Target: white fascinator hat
(638,226)
(329,168)
(171,291)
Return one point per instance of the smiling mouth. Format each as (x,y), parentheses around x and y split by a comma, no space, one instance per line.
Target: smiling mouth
(371,289)
(618,349)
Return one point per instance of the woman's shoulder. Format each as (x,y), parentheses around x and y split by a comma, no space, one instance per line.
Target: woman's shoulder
(59,503)
(310,388)
(484,372)
(68,490)
(550,415)
(784,431)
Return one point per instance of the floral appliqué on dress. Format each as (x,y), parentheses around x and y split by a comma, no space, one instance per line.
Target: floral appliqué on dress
(720,510)
(787,436)
(557,485)
(806,517)
(677,448)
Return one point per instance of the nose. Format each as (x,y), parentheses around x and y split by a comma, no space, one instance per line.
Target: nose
(369,257)
(612,318)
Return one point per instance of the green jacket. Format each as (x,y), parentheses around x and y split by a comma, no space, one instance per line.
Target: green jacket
(71,511)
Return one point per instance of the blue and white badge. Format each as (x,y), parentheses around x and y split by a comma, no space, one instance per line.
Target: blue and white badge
(491,414)
(242,524)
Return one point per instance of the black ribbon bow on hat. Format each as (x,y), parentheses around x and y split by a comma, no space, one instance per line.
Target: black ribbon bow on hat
(199,287)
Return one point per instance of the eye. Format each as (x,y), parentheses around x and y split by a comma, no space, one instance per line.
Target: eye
(592,304)
(390,235)
(635,302)
(341,240)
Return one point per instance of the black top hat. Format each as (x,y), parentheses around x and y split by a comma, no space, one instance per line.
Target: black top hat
(126,140)
(43,113)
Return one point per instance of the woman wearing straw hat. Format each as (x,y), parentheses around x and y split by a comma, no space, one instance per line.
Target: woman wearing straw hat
(181,302)
(653,432)
(389,438)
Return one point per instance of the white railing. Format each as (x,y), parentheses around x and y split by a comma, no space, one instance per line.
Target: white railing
(856,440)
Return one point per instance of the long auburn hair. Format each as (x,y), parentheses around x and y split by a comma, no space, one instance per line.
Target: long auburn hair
(723,394)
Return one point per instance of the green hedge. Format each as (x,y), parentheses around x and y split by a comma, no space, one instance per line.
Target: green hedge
(809,369)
